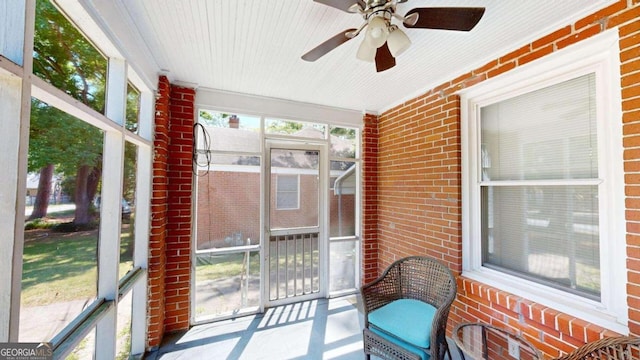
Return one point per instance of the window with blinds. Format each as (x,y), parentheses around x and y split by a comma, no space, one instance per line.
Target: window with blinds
(287,195)
(539,186)
(543,191)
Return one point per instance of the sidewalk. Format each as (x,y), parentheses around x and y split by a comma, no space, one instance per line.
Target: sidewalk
(52,208)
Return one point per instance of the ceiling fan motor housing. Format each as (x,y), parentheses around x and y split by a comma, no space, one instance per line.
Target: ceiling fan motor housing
(377,3)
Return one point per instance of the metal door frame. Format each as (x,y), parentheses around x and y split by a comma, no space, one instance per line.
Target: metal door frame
(323,243)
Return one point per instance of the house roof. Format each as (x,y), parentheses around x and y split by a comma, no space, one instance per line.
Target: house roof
(248,141)
(254,46)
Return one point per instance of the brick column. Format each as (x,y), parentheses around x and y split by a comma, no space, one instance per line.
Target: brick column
(170,235)
(157,236)
(370,198)
(179,213)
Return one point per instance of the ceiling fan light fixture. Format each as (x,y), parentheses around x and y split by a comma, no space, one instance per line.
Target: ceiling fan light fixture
(355,8)
(366,52)
(411,19)
(377,31)
(397,41)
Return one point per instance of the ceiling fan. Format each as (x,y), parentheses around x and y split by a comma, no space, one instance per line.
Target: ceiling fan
(383,40)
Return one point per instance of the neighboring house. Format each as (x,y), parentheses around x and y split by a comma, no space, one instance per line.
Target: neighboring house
(228,204)
(57,195)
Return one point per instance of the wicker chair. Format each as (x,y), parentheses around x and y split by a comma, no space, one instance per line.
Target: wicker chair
(413,278)
(610,348)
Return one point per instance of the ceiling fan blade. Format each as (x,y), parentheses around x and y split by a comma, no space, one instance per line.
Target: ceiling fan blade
(343,5)
(446,18)
(332,43)
(384,59)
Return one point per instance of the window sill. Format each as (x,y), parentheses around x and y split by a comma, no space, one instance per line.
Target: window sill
(585,309)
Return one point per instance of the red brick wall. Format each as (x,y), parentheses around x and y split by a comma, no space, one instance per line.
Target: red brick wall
(418,193)
(369,198)
(157,235)
(170,234)
(179,217)
(419,180)
(229,203)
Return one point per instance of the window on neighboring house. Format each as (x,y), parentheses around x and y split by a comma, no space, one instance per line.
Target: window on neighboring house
(287,192)
(543,187)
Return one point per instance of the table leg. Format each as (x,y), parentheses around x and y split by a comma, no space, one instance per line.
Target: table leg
(485,351)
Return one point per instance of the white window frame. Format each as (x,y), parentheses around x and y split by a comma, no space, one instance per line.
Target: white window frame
(19,85)
(297,191)
(598,55)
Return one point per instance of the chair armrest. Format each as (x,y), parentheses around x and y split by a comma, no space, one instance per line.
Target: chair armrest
(378,293)
(609,348)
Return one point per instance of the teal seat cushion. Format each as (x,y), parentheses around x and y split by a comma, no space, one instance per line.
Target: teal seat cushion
(407,319)
(414,349)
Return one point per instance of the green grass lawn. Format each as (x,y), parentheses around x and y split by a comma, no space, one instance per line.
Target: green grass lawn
(62,267)
(213,267)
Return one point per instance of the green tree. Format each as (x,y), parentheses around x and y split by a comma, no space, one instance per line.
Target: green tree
(344,133)
(43,162)
(133,109)
(215,119)
(130,166)
(64,58)
(284,127)
(129,194)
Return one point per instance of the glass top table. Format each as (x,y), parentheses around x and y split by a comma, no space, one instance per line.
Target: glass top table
(487,342)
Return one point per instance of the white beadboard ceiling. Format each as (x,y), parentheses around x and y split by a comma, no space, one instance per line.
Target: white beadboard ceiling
(254,46)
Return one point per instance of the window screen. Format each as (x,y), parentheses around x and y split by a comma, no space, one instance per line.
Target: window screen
(287,192)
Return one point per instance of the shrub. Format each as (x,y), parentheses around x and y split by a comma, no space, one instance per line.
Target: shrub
(69,227)
(38,224)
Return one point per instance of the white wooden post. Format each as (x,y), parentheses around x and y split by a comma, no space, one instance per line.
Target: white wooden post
(16,44)
(141,245)
(110,208)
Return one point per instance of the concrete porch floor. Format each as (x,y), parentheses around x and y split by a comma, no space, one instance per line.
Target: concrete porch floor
(317,329)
